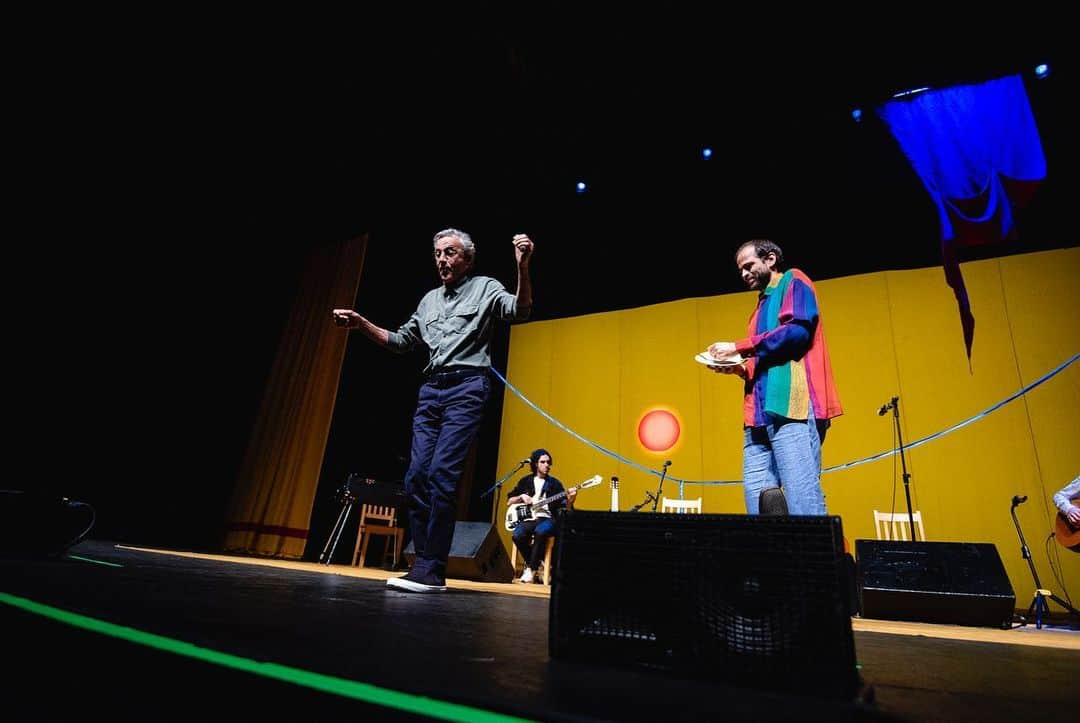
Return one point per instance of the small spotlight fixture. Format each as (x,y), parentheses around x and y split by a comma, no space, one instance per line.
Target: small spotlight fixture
(1042,70)
(580,187)
(913,91)
(706,153)
(857,115)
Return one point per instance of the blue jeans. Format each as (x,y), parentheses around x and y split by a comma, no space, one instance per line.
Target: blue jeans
(447,418)
(785,453)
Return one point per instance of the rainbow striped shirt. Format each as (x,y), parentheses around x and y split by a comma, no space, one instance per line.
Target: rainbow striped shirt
(789,365)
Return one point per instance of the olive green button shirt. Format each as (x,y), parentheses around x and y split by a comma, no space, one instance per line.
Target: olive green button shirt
(456,324)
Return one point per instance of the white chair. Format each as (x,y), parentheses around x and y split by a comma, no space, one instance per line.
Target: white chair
(681,507)
(894,525)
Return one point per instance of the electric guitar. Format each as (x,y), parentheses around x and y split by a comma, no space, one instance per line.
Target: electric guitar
(1065,532)
(516,514)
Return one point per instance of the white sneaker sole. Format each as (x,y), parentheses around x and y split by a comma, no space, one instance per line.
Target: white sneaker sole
(400,583)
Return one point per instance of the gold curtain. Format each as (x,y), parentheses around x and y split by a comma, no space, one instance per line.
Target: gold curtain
(270,511)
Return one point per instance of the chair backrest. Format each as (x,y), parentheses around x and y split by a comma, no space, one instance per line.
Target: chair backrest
(680,506)
(894,525)
(386,516)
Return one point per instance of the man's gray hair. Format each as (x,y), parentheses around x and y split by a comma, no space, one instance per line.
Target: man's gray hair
(466,240)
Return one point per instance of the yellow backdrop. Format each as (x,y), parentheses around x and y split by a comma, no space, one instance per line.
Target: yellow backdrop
(889,333)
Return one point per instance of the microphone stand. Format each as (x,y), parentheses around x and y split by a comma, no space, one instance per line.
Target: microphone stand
(647,500)
(649,496)
(1038,604)
(498,486)
(656,497)
(348,497)
(894,405)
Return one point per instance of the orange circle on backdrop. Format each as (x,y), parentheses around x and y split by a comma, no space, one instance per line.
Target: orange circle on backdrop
(658,430)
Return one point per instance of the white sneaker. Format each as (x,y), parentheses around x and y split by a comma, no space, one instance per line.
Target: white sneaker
(527,576)
(413,583)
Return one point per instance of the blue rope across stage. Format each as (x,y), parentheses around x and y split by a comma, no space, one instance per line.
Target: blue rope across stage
(955,427)
(847,465)
(594,445)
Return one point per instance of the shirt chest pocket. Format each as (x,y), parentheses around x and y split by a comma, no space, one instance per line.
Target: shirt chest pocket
(455,322)
(462,319)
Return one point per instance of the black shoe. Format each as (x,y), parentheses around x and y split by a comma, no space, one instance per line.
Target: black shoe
(416,582)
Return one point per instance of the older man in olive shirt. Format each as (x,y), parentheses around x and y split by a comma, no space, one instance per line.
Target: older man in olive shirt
(455,322)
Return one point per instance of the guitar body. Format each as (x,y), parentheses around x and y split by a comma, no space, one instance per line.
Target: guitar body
(516,514)
(1066,533)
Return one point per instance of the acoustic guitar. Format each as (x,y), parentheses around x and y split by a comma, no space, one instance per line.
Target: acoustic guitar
(1065,532)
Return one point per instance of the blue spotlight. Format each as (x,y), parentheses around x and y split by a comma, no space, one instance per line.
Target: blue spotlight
(857,115)
(706,153)
(581,186)
(1042,70)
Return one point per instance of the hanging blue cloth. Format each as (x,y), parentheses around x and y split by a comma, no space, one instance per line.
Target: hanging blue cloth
(977,150)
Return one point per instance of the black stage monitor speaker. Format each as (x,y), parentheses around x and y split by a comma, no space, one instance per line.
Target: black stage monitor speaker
(934,582)
(743,600)
(476,553)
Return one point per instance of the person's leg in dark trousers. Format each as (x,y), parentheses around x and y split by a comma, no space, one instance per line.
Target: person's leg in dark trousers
(522,538)
(545,529)
(426,420)
(452,414)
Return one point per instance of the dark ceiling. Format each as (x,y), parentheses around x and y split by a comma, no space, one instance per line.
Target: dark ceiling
(489,131)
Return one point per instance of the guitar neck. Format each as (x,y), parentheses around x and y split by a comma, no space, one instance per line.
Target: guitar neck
(559,495)
(553,498)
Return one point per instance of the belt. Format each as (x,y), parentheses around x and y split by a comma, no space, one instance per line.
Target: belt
(451,374)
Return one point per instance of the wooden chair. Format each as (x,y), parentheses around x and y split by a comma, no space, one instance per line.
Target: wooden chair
(547,560)
(681,507)
(375,520)
(894,525)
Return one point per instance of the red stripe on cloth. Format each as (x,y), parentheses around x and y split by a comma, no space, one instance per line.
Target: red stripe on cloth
(268,529)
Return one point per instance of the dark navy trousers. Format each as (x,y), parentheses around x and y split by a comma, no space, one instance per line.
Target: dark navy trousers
(448,415)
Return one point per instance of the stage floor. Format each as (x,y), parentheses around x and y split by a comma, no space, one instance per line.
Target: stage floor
(136,633)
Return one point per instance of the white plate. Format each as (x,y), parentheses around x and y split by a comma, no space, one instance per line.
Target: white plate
(706,359)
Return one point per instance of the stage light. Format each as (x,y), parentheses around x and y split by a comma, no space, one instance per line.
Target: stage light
(857,115)
(706,153)
(913,91)
(1042,70)
(581,186)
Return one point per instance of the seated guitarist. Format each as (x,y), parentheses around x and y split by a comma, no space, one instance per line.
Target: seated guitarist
(1066,500)
(531,536)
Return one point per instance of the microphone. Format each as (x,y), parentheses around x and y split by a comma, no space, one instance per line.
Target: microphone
(527,460)
(341,320)
(1018,500)
(668,463)
(887,406)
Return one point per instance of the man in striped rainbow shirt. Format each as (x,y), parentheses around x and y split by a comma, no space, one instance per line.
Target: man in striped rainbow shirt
(790,396)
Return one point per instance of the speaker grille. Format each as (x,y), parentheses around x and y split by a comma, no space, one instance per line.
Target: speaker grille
(742,598)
